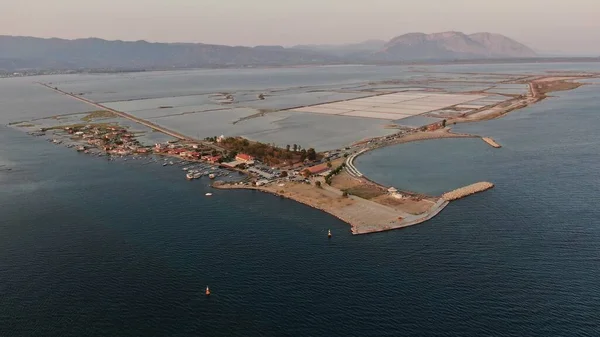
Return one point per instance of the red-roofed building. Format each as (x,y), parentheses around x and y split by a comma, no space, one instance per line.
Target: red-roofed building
(318,169)
(213,159)
(244,157)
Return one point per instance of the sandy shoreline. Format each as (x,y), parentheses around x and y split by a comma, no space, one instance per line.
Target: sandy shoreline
(388,211)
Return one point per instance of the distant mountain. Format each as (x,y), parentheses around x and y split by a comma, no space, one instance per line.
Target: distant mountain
(344,50)
(93,53)
(452,45)
(18,53)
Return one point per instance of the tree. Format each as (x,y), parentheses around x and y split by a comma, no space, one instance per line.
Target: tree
(214,153)
(287,148)
(345,194)
(303,155)
(295,147)
(444,123)
(318,184)
(329,164)
(311,154)
(283,174)
(345,155)
(306,173)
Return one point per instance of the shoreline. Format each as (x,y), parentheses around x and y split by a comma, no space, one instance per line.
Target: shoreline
(368,222)
(366,205)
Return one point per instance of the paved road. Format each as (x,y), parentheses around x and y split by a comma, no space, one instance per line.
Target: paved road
(135,119)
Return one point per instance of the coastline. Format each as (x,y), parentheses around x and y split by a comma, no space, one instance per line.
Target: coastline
(366,216)
(366,205)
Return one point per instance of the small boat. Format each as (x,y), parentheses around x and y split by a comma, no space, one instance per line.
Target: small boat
(197,175)
(170,163)
(164,164)
(189,176)
(208,194)
(186,168)
(329,233)
(207,291)
(211,176)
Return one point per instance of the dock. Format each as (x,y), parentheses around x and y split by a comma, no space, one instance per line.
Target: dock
(467,190)
(491,142)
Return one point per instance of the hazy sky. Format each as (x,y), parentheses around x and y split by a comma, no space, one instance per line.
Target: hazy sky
(547,25)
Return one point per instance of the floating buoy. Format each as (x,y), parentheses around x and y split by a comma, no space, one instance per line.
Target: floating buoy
(207,292)
(329,233)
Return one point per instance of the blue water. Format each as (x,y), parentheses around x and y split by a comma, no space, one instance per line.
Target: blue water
(96,248)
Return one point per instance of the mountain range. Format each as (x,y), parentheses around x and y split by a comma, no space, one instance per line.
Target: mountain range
(18,52)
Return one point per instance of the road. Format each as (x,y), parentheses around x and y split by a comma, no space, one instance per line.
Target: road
(136,119)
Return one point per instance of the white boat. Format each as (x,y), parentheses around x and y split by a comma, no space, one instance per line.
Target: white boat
(197,175)
(211,176)
(170,163)
(208,194)
(189,176)
(186,168)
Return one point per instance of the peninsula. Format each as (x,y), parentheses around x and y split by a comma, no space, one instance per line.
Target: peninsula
(326,180)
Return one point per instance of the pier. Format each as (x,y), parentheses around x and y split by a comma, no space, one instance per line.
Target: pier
(491,142)
(462,192)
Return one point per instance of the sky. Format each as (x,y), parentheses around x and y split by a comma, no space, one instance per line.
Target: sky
(570,27)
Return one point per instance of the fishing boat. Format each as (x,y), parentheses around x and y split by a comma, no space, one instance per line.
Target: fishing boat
(208,194)
(189,176)
(197,175)
(164,164)
(207,291)
(329,233)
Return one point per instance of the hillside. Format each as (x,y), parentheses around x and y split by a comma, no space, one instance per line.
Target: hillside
(17,53)
(452,45)
(29,52)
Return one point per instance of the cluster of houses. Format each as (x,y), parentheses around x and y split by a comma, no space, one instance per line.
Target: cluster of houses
(111,139)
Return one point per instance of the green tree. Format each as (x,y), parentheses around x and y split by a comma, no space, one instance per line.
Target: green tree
(318,184)
(295,147)
(303,154)
(444,123)
(283,174)
(287,148)
(345,194)
(329,164)
(311,154)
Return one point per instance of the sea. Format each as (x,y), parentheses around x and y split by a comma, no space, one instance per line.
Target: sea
(90,247)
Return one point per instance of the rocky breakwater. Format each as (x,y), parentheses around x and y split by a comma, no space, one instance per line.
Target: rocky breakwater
(467,190)
(491,142)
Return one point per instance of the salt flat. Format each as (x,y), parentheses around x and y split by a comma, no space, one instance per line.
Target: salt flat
(392,106)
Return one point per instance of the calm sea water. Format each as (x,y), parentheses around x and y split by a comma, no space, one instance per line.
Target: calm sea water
(96,248)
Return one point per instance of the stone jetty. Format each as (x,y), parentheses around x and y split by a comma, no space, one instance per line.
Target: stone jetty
(467,190)
(491,142)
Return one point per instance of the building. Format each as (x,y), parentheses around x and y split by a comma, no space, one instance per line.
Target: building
(321,169)
(211,159)
(246,158)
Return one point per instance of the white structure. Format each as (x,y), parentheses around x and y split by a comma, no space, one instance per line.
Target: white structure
(220,138)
